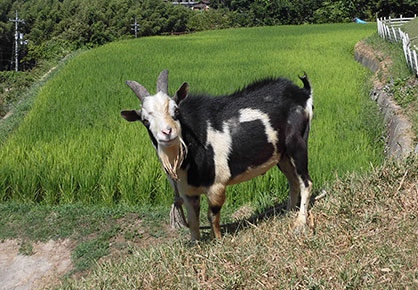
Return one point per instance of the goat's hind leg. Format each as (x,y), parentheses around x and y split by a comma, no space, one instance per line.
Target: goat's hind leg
(305,187)
(289,170)
(297,152)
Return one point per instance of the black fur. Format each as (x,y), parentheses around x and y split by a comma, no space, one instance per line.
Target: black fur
(250,136)
(215,209)
(279,98)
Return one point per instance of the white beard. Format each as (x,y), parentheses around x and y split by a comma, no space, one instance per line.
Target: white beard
(172,157)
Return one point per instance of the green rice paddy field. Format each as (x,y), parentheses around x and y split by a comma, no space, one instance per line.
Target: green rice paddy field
(73,146)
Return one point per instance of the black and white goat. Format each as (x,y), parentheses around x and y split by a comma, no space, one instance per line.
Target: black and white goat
(208,142)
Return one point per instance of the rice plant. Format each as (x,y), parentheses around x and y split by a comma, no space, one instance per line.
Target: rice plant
(73,146)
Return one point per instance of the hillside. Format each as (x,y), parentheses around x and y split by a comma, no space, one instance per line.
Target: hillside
(361,235)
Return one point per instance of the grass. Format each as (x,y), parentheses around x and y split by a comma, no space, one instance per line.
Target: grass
(93,228)
(392,50)
(73,146)
(353,241)
(25,98)
(402,83)
(411,28)
(361,236)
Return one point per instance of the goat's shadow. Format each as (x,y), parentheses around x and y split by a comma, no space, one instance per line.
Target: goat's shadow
(273,211)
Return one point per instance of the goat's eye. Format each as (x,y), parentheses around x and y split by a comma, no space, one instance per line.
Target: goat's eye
(145,122)
(176,113)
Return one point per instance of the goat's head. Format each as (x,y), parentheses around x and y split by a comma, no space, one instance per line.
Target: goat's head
(159,113)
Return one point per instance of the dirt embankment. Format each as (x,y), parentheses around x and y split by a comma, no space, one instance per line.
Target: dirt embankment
(399,135)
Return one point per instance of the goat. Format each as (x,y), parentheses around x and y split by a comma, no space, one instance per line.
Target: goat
(208,142)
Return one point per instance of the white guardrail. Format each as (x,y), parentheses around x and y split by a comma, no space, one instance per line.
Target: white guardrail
(390,29)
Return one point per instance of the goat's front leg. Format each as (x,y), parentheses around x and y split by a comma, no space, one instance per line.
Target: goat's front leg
(192,204)
(216,199)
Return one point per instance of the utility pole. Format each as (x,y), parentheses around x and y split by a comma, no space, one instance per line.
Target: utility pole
(135,25)
(17,21)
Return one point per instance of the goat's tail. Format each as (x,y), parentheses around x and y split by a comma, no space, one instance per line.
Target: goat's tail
(306,83)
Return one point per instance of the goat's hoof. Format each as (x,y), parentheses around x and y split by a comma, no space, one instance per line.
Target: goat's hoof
(193,243)
(299,227)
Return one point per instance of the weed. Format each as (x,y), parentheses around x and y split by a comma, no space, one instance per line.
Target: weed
(26,248)
(404,93)
(92,249)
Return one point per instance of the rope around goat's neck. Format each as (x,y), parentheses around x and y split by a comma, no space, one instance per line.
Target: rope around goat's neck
(178,202)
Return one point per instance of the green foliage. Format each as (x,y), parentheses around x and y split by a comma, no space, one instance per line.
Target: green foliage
(210,20)
(402,83)
(26,248)
(332,11)
(11,84)
(73,146)
(53,49)
(403,92)
(54,26)
(394,8)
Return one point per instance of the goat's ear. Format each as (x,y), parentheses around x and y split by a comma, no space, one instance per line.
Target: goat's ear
(131,116)
(138,89)
(181,93)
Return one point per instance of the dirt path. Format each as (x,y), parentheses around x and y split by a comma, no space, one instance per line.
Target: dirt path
(8,114)
(44,267)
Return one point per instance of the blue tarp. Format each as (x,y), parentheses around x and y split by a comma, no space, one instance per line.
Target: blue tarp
(358,20)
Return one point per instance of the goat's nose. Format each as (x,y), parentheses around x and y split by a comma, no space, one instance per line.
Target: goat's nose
(167,131)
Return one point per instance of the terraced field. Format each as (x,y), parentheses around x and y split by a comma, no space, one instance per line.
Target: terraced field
(73,146)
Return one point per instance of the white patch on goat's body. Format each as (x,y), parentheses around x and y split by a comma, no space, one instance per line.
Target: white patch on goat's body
(221,142)
(248,115)
(309,106)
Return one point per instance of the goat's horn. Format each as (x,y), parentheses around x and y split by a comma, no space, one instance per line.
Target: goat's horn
(162,82)
(138,89)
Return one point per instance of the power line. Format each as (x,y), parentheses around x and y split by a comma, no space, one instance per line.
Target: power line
(17,21)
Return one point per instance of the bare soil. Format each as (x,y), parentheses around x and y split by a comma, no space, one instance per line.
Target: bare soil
(48,262)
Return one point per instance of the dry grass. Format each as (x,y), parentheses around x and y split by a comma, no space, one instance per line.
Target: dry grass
(364,234)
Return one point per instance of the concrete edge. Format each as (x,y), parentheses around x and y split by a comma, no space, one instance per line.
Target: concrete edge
(399,142)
